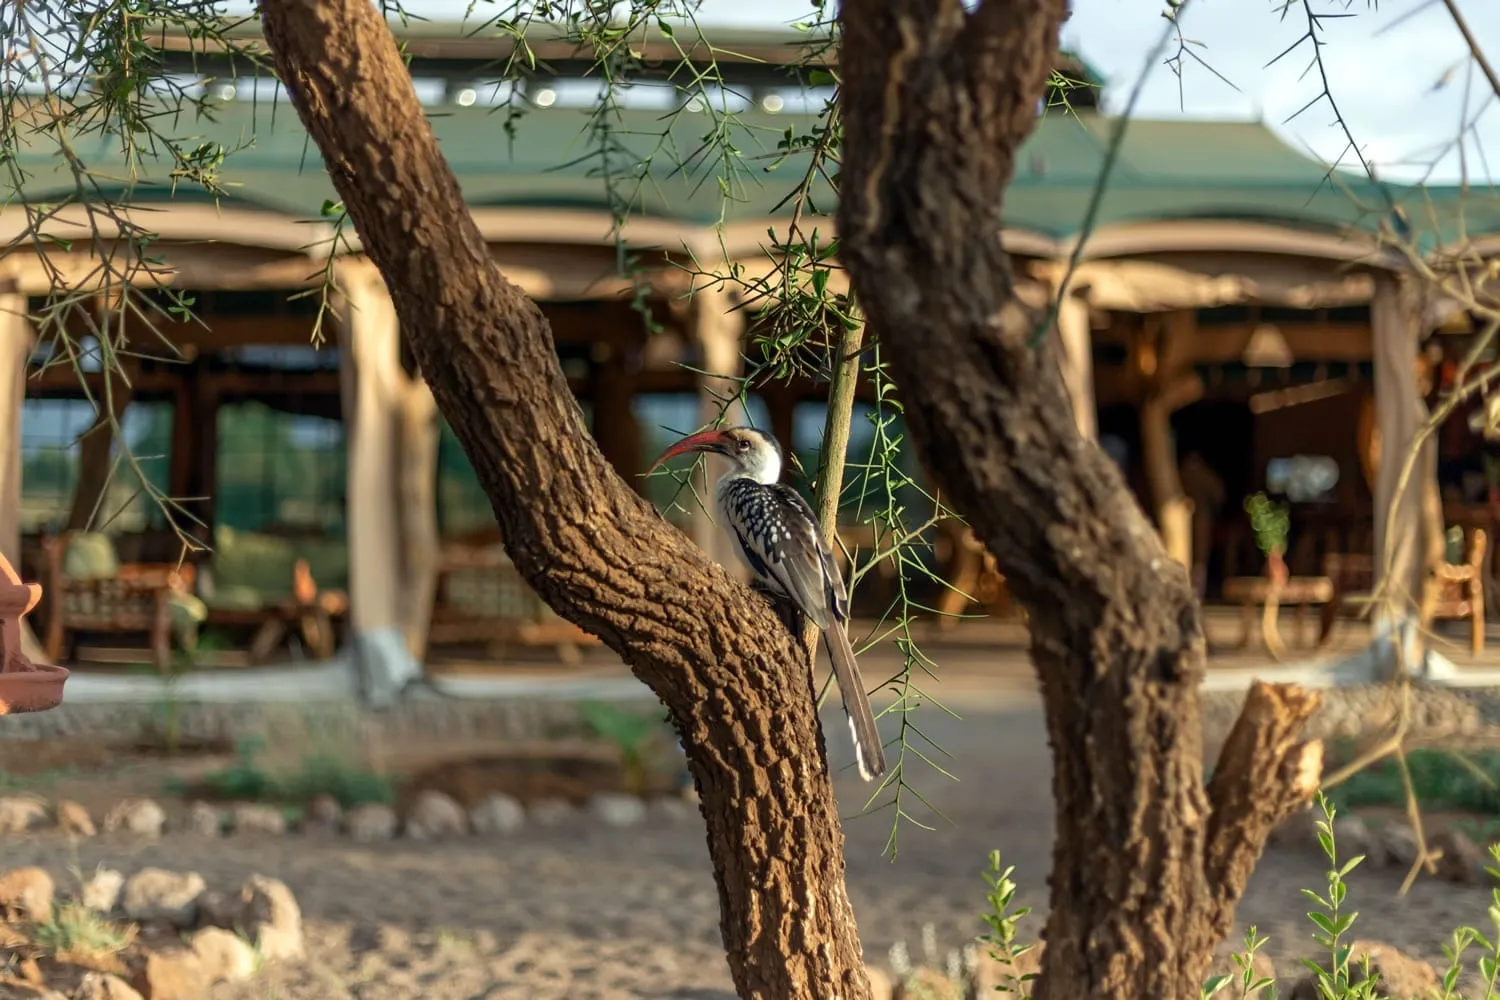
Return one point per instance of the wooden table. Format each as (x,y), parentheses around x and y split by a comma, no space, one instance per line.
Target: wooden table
(1257,591)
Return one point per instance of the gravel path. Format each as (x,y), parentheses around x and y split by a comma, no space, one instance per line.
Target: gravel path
(581,913)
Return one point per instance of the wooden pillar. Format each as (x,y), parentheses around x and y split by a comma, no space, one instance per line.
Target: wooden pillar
(1166,364)
(17,341)
(717,327)
(615,427)
(96,465)
(371,385)
(418,444)
(1077,360)
(782,403)
(1405,537)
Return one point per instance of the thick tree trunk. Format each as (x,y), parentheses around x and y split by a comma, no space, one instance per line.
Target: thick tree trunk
(936,102)
(596,552)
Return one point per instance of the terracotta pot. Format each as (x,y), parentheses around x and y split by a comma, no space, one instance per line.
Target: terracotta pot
(24,686)
(36,689)
(1276,569)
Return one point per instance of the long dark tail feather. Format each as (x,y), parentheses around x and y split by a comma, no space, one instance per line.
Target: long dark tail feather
(869,754)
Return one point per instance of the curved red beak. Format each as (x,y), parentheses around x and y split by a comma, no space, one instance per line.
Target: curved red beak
(702,441)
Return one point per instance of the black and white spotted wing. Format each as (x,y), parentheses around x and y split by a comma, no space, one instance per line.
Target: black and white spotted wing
(777,536)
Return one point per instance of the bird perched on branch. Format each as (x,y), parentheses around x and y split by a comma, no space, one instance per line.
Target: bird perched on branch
(777,537)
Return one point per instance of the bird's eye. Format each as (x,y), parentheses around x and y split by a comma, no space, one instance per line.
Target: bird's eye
(744,444)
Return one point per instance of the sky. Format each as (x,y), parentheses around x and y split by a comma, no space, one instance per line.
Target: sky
(1397,70)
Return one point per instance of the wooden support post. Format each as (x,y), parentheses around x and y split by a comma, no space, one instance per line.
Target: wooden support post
(1077,360)
(615,427)
(717,327)
(782,403)
(17,341)
(1166,364)
(372,387)
(418,447)
(1406,538)
(16,344)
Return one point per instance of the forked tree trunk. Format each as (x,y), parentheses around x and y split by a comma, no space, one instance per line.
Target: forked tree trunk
(1148,864)
(736,685)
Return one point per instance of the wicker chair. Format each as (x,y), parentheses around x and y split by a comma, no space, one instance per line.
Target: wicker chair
(90,590)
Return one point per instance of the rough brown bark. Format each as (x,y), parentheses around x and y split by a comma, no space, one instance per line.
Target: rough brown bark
(593,549)
(936,102)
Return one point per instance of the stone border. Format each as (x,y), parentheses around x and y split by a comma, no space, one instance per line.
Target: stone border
(432,815)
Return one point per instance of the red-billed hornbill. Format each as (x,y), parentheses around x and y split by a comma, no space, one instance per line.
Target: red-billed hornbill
(777,537)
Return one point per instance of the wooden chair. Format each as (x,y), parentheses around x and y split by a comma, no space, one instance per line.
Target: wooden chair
(482,597)
(972,574)
(1457,591)
(275,582)
(128,598)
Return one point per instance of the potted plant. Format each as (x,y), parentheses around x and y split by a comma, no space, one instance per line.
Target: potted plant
(1272,524)
(24,686)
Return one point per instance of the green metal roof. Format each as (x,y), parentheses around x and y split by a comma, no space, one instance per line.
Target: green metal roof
(1166,170)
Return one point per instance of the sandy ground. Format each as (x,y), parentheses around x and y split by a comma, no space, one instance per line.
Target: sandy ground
(586,912)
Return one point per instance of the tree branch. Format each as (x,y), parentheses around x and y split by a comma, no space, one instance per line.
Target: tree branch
(1264,772)
(594,550)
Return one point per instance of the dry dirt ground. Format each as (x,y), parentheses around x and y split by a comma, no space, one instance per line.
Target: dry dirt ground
(586,912)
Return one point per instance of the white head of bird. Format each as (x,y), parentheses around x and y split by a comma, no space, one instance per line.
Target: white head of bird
(753,454)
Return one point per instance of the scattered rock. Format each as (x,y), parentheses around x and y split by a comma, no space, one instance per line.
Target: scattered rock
(74,819)
(1298,831)
(389,938)
(617,810)
(551,812)
(370,822)
(324,815)
(1353,837)
(1400,843)
(102,891)
(226,956)
(927,984)
(672,810)
(273,920)
(225,910)
(17,815)
(142,817)
(174,973)
(204,820)
(1461,860)
(103,986)
(27,892)
(497,813)
(435,814)
(257,817)
(1398,974)
(156,894)
(15,989)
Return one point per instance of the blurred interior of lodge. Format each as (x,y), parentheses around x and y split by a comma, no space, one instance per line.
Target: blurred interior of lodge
(1234,327)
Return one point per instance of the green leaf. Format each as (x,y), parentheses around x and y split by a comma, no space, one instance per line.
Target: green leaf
(1214,985)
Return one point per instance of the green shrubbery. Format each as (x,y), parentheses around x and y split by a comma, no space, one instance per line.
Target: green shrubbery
(319,774)
(1336,973)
